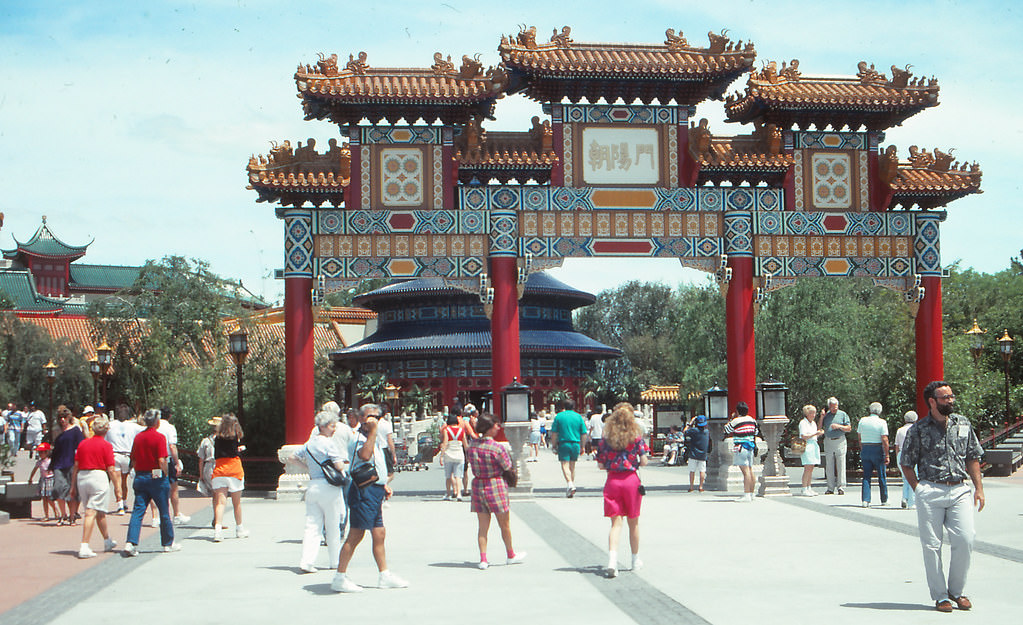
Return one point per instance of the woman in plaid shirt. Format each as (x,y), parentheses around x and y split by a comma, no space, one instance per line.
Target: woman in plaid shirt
(489,490)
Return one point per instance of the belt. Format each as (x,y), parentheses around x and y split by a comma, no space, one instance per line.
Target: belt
(953,483)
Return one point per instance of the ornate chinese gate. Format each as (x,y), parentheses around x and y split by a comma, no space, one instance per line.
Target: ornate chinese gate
(809,192)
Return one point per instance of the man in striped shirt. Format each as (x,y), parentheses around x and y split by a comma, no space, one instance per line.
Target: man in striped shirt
(742,429)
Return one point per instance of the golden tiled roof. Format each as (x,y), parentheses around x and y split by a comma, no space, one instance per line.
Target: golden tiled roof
(670,70)
(359,91)
(660,394)
(928,179)
(752,158)
(479,148)
(294,176)
(870,98)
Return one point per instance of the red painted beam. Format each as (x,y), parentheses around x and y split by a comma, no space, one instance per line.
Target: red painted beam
(930,352)
(504,325)
(739,341)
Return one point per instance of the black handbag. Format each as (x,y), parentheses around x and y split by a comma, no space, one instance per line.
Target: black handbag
(331,473)
(365,474)
(510,477)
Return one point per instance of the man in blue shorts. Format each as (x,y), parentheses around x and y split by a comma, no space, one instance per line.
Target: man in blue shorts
(742,429)
(567,432)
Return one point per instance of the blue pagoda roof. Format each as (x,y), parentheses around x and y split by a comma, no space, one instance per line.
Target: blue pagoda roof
(540,284)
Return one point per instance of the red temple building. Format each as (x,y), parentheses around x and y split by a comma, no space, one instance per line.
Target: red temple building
(617,167)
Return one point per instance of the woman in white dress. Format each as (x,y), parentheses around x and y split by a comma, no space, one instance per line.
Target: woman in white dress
(811,456)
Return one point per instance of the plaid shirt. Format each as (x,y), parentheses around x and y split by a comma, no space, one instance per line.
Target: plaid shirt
(939,454)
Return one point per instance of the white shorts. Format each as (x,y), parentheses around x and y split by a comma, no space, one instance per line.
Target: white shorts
(94,489)
(697,466)
(122,462)
(453,468)
(232,484)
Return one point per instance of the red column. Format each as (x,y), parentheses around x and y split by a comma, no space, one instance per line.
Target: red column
(930,353)
(504,324)
(739,343)
(299,405)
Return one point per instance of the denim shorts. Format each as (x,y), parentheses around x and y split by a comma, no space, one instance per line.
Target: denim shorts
(743,458)
(364,505)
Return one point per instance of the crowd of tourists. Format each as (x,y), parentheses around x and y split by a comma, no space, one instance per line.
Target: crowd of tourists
(83,468)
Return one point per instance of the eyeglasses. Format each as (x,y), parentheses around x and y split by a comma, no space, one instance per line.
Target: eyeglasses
(950,396)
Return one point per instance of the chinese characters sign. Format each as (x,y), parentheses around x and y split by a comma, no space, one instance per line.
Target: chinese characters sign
(621,156)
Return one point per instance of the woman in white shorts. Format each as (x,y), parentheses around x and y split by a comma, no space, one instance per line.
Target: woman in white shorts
(811,456)
(228,475)
(92,474)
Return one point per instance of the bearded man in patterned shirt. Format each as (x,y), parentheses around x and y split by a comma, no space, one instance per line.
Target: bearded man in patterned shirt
(941,451)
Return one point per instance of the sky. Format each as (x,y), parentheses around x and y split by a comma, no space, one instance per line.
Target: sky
(131,123)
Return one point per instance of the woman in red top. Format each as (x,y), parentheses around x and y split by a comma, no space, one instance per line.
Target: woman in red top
(622,451)
(452,456)
(91,476)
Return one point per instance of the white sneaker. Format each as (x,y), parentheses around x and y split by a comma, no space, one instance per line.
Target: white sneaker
(611,571)
(388,579)
(131,550)
(86,552)
(155,522)
(570,492)
(241,532)
(483,565)
(218,535)
(307,568)
(865,504)
(341,583)
(109,544)
(181,519)
(637,564)
(172,548)
(518,558)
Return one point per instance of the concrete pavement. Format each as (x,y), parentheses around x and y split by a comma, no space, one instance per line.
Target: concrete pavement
(793,558)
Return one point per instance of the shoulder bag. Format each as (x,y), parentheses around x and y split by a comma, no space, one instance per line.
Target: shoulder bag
(331,473)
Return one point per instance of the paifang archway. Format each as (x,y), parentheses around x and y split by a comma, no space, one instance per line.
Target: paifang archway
(618,169)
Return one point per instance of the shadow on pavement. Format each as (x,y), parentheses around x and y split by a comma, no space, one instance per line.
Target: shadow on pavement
(904,607)
(455,565)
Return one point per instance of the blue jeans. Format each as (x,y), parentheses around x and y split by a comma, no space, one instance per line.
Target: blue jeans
(907,492)
(872,458)
(158,491)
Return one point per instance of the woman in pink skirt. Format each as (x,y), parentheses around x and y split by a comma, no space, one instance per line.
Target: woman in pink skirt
(489,490)
(622,452)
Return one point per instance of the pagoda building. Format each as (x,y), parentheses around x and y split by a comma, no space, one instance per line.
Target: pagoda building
(437,336)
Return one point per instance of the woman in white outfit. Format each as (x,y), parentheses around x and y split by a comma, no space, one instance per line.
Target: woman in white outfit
(811,456)
(323,503)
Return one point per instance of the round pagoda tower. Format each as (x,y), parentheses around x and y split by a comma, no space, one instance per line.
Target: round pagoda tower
(437,336)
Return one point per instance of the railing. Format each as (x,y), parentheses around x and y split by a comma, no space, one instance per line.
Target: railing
(998,435)
(261,472)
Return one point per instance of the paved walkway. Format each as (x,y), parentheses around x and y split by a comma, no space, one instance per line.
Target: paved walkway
(822,556)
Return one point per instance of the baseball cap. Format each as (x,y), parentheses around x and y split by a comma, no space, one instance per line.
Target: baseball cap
(701,420)
(89,410)
(43,447)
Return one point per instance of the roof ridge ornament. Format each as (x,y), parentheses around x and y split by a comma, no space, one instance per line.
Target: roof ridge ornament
(442,66)
(869,75)
(562,40)
(327,65)
(675,43)
(357,66)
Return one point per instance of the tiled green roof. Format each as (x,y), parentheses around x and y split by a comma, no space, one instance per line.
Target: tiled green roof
(45,243)
(17,285)
(103,276)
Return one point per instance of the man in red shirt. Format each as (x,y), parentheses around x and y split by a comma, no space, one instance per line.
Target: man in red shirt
(149,459)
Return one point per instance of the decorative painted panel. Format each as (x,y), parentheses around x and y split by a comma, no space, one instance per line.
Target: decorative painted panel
(621,155)
(803,223)
(831,175)
(401,177)
(401,134)
(298,243)
(438,177)
(857,267)
(566,162)
(927,246)
(612,114)
(830,140)
(539,198)
(406,221)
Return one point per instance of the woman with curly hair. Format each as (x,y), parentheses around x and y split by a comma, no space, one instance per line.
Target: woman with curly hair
(623,450)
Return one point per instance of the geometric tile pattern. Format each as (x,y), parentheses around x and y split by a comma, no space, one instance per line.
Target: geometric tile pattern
(830,140)
(298,243)
(605,114)
(798,187)
(542,198)
(566,163)
(851,224)
(340,269)
(399,245)
(401,134)
(673,156)
(739,234)
(927,246)
(504,231)
(863,165)
(394,221)
(438,177)
(655,247)
(858,267)
(364,177)
(818,246)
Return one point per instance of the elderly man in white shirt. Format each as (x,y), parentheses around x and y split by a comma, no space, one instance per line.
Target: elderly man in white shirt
(908,499)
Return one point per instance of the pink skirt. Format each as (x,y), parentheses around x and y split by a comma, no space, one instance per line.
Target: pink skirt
(621,494)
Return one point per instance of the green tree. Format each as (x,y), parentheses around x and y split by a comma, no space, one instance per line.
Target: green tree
(24,349)
(371,387)
(420,400)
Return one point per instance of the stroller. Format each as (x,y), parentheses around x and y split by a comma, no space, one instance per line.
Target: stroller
(674,452)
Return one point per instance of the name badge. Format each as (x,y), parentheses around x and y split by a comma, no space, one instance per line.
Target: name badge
(964,430)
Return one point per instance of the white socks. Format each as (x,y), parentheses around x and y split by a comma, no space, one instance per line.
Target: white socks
(612,559)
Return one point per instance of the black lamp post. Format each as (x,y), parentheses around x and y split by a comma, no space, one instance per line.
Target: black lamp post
(94,369)
(1005,346)
(772,402)
(715,407)
(105,356)
(238,345)
(51,376)
(715,403)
